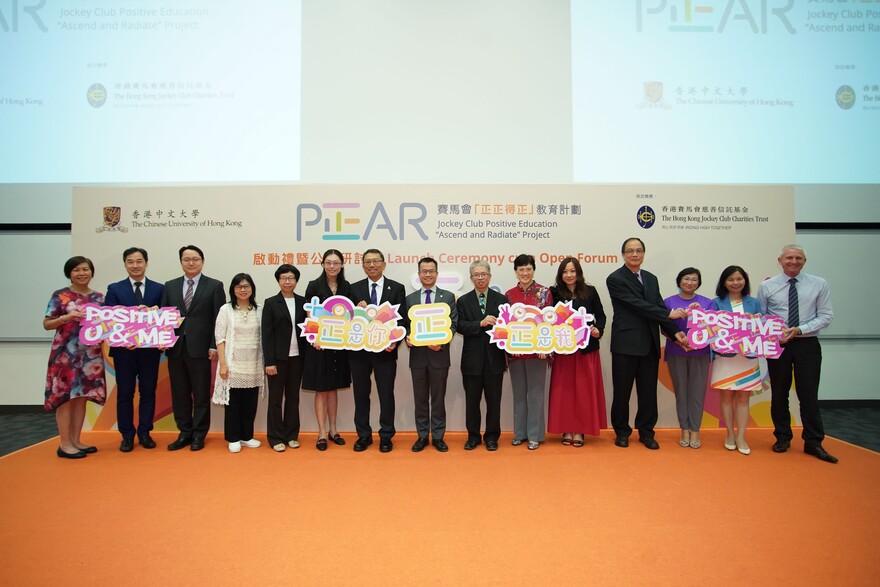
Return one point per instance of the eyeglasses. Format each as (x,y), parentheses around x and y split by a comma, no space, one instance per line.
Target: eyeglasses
(427,271)
(691,279)
(332,264)
(634,252)
(242,287)
(287,278)
(373,261)
(479,275)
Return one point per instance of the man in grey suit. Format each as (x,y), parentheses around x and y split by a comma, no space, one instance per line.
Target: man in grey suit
(429,365)
(198,298)
(635,343)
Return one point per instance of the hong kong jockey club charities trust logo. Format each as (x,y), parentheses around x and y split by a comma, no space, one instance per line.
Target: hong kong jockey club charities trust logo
(112,216)
(96,95)
(845,97)
(646,217)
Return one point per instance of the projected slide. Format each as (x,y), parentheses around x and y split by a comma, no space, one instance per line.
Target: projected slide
(149,91)
(740,91)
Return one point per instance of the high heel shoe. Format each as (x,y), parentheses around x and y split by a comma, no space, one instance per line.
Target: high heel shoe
(744,449)
(684,439)
(71,455)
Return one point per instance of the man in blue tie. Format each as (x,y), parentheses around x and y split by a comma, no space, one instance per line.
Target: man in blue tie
(375,289)
(135,368)
(804,302)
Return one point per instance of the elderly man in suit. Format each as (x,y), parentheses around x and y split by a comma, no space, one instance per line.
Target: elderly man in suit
(482,363)
(375,289)
(635,343)
(135,368)
(429,365)
(198,298)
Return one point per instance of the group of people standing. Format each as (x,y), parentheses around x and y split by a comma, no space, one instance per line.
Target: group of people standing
(259,348)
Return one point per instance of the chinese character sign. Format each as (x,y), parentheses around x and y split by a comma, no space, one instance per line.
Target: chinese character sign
(129,326)
(340,325)
(525,330)
(429,324)
(749,335)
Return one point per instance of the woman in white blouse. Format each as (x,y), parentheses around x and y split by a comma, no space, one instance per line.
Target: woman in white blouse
(240,376)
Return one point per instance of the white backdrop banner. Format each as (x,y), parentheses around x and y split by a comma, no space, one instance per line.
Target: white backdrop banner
(253,229)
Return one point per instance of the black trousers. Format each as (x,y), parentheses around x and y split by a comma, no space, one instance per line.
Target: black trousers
(191,395)
(475,386)
(429,400)
(238,420)
(136,370)
(626,369)
(803,358)
(282,414)
(362,365)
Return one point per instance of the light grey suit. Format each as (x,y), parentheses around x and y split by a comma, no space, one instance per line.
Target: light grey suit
(430,369)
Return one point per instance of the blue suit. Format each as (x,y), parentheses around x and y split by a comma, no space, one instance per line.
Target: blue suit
(137,366)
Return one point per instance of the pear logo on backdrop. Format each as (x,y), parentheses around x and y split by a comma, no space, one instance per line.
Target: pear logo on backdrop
(97,95)
(845,97)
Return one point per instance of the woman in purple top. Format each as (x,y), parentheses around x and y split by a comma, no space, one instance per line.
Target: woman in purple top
(689,369)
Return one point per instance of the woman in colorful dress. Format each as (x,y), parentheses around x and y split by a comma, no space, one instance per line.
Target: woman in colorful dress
(734,375)
(240,380)
(76,371)
(689,369)
(577,393)
(327,370)
(528,373)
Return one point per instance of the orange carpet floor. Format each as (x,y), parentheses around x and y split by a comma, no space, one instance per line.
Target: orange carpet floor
(590,516)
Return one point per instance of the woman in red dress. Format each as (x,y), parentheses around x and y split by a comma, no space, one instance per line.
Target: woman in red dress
(577,394)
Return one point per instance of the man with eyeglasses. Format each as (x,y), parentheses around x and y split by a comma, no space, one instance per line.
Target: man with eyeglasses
(429,365)
(482,363)
(198,298)
(375,289)
(635,343)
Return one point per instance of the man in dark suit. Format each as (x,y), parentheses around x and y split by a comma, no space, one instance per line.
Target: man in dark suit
(375,289)
(635,343)
(429,365)
(135,368)
(198,298)
(482,363)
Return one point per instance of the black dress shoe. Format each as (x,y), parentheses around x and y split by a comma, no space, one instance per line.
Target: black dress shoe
(471,444)
(127,445)
(146,441)
(385,445)
(820,453)
(621,441)
(781,445)
(492,445)
(361,444)
(89,450)
(440,445)
(180,443)
(197,444)
(420,444)
(649,443)
(71,455)
(336,439)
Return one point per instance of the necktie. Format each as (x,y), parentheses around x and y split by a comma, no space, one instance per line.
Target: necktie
(483,303)
(427,296)
(138,294)
(188,296)
(373,299)
(793,310)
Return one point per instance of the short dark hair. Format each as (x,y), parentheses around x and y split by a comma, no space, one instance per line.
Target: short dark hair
(133,250)
(375,252)
(523,260)
(428,260)
(721,289)
(190,248)
(286,268)
(688,271)
(632,238)
(71,263)
(239,277)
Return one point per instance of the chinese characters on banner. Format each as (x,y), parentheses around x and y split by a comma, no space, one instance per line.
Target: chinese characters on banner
(339,325)
(749,335)
(429,324)
(525,330)
(129,326)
